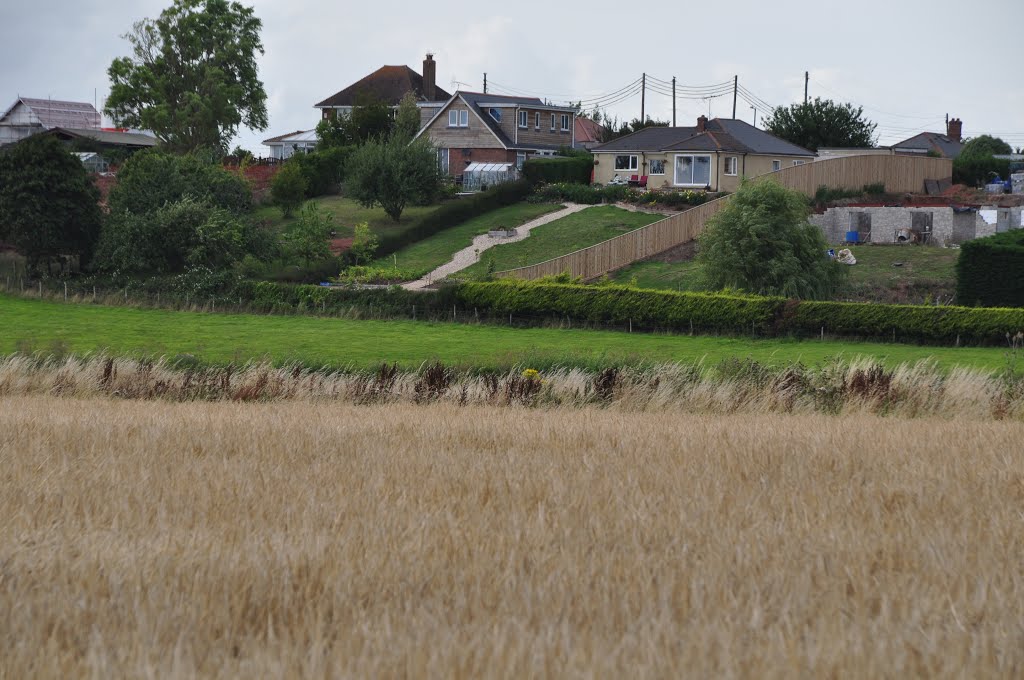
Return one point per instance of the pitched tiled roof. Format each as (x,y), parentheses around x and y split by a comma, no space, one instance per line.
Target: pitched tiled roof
(282,138)
(54,113)
(388,84)
(720,134)
(111,137)
(587,130)
(932,141)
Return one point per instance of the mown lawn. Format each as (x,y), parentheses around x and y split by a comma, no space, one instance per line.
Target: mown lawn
(438,249)
(33,325)
(347,213)
(883,273)
(570,233)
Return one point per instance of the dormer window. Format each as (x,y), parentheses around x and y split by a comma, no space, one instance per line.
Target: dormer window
(458,118)
(495,114)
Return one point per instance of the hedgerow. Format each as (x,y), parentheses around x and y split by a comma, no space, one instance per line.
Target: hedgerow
(990,271)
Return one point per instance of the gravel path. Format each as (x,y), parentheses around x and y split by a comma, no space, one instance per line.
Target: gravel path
(470,255)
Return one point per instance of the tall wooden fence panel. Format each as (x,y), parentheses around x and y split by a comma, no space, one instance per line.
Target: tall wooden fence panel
(899,174)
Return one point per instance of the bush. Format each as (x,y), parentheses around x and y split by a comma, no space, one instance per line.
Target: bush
(614,304)
(323,170)
(667,310)
(990,271)
(393,173)
(288,188)
(307,239)
(368,274)
(456,212)
(976,171)
(592,195)
(761,242)
(559,169)
(150,180)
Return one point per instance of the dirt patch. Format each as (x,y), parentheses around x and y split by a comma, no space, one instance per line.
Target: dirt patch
(340,245)
(684,252)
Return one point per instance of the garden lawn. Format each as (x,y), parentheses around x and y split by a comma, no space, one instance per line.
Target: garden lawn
(432,252)
(883,273)
(566,235)
(31,325)
(348,213)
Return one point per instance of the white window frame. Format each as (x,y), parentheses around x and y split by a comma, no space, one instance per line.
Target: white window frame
(735,161)
(443,160)
(692,157)
(520,160)
(798,162)
(651,166)
(495,114)
(634,163)
(536,120)
(565,122)
(552,122)
(776,165)
(524,120)
(460,116)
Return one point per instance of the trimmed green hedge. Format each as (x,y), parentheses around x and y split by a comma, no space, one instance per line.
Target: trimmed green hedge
(622,305)
(456,212)
(976,171)
(573,169)
(669,310)
(990,271)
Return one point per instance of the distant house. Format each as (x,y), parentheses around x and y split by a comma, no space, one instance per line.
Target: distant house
(588,133)
(28,116)
(477,128)
(103,138)
(286,146)
(715,154)
(389,84)
(946,145)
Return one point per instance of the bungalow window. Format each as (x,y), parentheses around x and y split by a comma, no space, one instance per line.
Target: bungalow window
(795,163)
(458,118)
(552,122)
(657,167)
(520,160)
(523,119)
(731,165)
(623,162)
(495,114)
(565,122)
(536,121)
(776,165)
(693,170)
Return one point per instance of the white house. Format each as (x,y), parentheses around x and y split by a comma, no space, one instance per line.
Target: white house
(286,146)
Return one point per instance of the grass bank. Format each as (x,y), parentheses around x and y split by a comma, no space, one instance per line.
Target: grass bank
(347,214)
(33,325)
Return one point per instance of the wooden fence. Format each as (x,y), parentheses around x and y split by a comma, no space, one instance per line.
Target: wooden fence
(899,174)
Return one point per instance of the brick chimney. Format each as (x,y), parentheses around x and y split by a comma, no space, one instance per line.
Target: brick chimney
(430,78)
(955,129)
(702,123)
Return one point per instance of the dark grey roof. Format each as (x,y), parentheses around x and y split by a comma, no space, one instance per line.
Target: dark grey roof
(720,134)
(110,137)
(932,141)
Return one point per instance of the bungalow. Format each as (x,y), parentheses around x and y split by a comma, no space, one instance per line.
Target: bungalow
(28,116)
(946,145)
(284,147)
(713,155)
(475,127)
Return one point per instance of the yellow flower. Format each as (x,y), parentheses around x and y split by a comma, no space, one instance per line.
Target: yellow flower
(531,374)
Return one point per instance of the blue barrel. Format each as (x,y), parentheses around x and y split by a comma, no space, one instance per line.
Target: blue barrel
(853,237)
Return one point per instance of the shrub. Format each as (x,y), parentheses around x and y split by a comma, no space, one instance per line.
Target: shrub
(48,205)
(393,173)
(150,180)
(323,170)
(456,212)
(367,274)
(761,242)
(306,240)
(978,170)
(989,271)
(288,188)
(559,169)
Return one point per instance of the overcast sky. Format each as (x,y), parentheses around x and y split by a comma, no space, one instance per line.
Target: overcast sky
(907,62)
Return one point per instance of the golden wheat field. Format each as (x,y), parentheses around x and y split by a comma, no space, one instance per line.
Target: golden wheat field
(311,539)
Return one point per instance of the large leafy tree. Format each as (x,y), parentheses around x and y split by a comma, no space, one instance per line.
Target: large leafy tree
(49,207)
(393,173)
(822,122)
(761,242)
(984,146)
(192,78)
(369,119)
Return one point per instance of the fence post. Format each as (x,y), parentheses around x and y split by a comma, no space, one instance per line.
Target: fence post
(453,313)
(40,288)
(65,291)
(414,312)
(631,325)
(94,293)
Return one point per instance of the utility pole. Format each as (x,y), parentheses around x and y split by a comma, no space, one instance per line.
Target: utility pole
(735,89)
(643,98)
(807,81)
(674,102)
(485,83)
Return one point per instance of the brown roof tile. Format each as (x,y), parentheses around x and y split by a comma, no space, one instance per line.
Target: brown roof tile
(388,84)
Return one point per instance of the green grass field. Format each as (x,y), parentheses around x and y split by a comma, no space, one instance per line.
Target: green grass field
(908,274)
(347,213)
(438,249)
(570,233)
(32,325)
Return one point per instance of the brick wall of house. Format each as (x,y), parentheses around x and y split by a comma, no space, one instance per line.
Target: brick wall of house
(458,159)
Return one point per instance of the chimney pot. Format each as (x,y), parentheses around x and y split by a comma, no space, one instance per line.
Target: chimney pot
(702,123)
(429,78)
(955,129)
